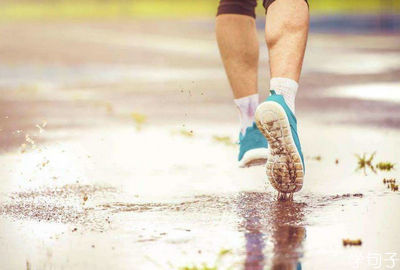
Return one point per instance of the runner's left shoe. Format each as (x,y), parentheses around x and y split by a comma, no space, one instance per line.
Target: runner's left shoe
(253,148)
(285,166)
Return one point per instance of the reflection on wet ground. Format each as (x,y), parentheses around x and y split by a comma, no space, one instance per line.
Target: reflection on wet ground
(40,204)
(273,231)
(279,222)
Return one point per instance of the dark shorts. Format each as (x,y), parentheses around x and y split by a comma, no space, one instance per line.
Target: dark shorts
(242,7)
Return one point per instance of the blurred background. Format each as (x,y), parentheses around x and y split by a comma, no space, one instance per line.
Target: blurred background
(144,47)
(86,9)
(376,14)
(328,14)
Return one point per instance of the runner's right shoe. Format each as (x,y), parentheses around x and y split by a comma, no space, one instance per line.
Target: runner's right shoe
(285,165)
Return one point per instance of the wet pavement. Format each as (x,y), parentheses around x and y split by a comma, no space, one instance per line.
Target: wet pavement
(118,148)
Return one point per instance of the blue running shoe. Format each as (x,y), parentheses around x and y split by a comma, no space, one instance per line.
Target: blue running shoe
(253,148)
(285,166)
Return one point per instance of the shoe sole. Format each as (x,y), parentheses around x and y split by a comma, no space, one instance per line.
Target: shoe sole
(284,167)
(254,157)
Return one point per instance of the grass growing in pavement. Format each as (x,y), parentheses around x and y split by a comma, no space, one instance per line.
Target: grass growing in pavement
(216,266)
(203,267)
(385,166)
(186,133)
(224,140)
(139,119)
(364,162)
(92,9)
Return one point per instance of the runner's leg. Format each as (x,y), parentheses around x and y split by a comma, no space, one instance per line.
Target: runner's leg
(239,48)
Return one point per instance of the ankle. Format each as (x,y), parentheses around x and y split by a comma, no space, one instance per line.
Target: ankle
(287,88)
(247,108)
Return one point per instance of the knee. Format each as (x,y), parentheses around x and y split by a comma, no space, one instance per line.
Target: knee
(244,7)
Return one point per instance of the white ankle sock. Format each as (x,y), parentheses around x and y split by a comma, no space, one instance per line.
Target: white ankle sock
(247,107)
(287,88)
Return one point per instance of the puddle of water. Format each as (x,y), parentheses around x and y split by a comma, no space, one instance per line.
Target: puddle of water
(273,232)
(148,208)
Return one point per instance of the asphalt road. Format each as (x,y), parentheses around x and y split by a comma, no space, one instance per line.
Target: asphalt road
(117,152)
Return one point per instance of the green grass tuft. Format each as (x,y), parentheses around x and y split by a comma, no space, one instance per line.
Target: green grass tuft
(385,166)
(364,162)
